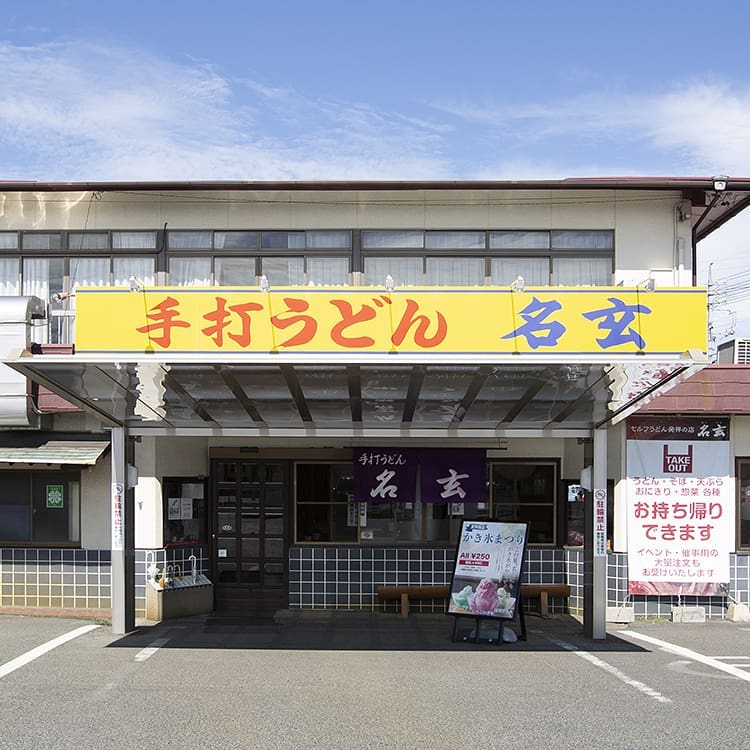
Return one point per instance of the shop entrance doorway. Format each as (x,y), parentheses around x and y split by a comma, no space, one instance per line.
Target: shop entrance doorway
(250,535)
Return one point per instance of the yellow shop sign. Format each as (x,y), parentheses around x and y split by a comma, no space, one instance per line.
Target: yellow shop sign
(461,320)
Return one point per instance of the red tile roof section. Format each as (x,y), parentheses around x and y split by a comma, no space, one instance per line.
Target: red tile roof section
(716,389)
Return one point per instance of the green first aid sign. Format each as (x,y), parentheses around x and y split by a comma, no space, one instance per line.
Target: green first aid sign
(54,496)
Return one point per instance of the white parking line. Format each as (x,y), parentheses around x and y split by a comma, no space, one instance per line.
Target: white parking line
(709,661)
(614,671)
(144,653)
(733,658)
(35,653)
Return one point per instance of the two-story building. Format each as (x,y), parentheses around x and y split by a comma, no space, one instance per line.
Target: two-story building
(197,372)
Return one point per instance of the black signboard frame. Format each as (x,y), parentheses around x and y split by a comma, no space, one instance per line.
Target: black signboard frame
(486,579)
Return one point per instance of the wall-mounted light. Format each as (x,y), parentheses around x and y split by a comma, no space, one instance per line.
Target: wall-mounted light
(518,285)
(390,284)
(60,296)
(265,285)
(649,285)
(720,182)
(135,284)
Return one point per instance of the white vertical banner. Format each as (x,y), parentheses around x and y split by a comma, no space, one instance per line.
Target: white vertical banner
(680,505)
(600,523)
(118,528)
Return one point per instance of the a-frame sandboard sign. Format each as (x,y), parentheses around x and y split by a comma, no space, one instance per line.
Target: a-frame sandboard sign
(486,582)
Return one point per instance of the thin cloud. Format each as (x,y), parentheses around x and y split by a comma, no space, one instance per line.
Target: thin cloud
(90,112)
(75,110)
(708,122)
(702,126)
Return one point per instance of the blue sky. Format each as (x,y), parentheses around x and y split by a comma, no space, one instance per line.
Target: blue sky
(170,89)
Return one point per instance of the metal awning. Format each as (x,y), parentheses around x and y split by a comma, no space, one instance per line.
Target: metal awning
(351,400)
(59,452)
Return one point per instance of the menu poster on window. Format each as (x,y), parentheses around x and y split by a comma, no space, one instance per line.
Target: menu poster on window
(680,505)
(487,571)
(174,508)
(192,490)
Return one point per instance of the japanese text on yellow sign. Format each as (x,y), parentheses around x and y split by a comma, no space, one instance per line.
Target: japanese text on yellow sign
(461,320)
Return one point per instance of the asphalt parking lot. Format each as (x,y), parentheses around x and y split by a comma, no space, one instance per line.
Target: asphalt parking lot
(369,680)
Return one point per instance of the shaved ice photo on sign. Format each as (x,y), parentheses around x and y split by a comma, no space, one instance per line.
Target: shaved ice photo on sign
(489,598)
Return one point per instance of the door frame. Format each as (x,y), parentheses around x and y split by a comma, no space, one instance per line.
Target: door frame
(213,546)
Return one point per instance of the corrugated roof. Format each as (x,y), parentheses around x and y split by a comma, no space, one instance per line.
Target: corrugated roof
(76,452)
(716,389)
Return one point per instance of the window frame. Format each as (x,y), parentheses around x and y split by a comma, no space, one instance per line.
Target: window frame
(490,253)
(453,520)
(739,463)
(203,519)
(31,476)
(554,505)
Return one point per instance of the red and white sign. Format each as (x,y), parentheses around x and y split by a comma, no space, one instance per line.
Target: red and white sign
(677,463)
(680,504)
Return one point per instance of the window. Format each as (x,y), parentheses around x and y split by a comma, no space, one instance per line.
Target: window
(505,271)
(123,267)
(184,504)
(455,240)
(190,271)
(743,483)
(40,507)
(78,241)
(393,239)
(8,241)
(283,240)
(88,272)
(327,271)
(43,278)
(520,240)
(405,271)
(419,271)
(395,522)
(317,239)
(189,240)
(576,502)
(210,240)
(234,271)
(41,241)
(445,271)
(543,258)
(286,271)
(325,511)
(581,271)
(581,240)
(328,240)
(235,240)
(526,493)
(9,277)
(133,240)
